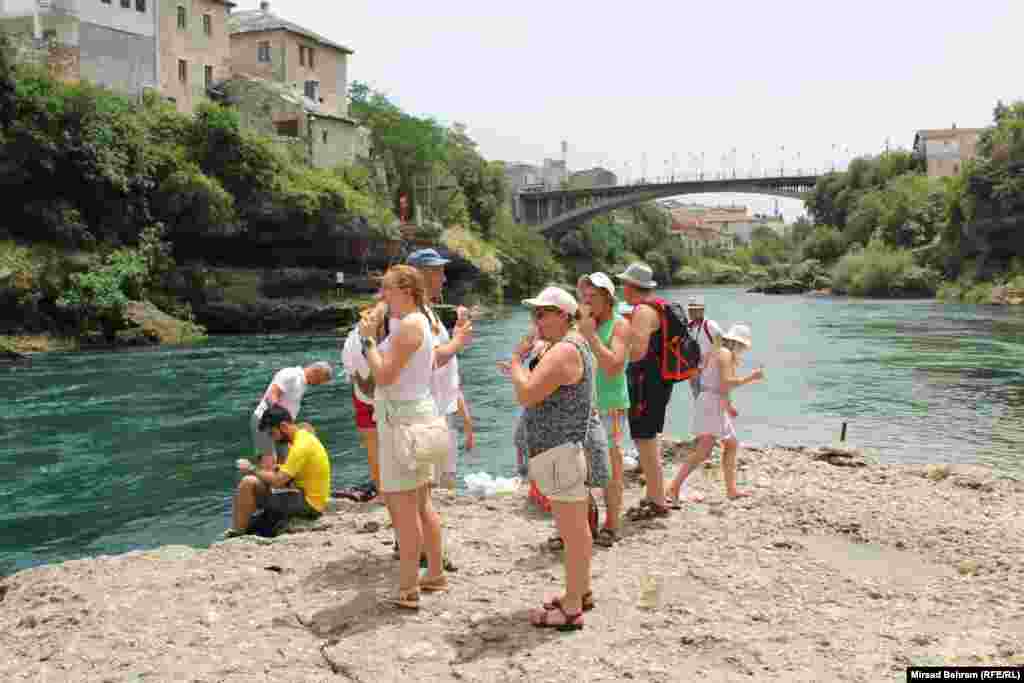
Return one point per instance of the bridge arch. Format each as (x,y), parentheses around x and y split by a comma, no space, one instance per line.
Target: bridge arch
(562,212)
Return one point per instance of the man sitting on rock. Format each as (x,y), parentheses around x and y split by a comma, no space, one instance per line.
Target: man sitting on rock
(286,389)
(298,488)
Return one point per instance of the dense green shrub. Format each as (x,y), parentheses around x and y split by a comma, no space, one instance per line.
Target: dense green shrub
(526,257)
(881,271)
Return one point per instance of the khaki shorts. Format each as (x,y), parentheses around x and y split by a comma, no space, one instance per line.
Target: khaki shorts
(561,473)
(395,475)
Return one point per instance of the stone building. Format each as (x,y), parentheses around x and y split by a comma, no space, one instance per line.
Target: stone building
(945,150)
(320,137)
(274,49)
(194,49)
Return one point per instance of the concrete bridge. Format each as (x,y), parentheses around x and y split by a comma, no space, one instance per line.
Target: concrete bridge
(559,211)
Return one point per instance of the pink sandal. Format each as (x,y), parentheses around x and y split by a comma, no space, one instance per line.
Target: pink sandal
(542,619)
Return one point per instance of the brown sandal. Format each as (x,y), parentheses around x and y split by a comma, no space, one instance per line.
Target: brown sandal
(588,602)
(434,584)
(409,599)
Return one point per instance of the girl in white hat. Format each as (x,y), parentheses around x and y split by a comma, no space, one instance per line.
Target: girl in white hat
(713,413)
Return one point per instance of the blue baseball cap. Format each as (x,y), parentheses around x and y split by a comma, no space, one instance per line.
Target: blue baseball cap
(424,258)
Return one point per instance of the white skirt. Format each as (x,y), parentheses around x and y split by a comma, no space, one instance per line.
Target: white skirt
(710,418)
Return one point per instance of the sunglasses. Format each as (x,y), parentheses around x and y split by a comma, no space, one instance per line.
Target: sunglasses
(541,311)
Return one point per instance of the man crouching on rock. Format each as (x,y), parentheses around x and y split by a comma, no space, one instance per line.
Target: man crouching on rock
(298,488)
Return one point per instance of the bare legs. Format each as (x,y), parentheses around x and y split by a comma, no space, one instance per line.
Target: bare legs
(369,437)
(650,461)
(729,469)
(705,442)
(245,502)
(430,522)
(613,492)
(572,524)
(419,528)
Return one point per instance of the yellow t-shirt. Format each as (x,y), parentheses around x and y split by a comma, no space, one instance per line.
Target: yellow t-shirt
(310,468)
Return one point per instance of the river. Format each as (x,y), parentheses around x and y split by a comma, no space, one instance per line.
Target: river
(109,452)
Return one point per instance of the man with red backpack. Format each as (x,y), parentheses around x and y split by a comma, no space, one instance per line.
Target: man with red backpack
(661,352)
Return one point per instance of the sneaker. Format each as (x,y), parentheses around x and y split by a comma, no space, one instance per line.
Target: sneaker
(233,533)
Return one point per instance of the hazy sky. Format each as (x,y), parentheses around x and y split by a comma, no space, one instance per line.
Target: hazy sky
(638,82)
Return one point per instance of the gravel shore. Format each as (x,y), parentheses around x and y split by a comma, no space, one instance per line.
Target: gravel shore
(835,569)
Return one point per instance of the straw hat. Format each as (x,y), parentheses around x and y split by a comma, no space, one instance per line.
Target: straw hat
(739,333)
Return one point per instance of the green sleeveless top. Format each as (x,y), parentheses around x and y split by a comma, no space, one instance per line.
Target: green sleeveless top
(612,392)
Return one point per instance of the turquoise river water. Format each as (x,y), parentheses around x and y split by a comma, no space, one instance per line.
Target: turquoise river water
(109,452)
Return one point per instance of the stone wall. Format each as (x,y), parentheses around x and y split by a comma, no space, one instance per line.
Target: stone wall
(336,142)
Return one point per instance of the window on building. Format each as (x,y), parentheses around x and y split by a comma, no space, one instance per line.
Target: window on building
(956,168)
(182,71)
(50,34)
(208,24)
(208,76)
(140,5)
(302,55)
(182,19)
(325,137)
(313,90)
(105,2)
(126,4)
(288,129)
(263,52)
(309,58)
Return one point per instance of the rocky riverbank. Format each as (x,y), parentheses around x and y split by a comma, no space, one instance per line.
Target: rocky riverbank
(835,569)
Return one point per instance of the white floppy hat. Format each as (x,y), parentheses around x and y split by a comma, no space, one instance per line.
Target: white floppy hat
(639,275)
(554,296)
(602,281)
(739,333)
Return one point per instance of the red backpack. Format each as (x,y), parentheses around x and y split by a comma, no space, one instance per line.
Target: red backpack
(679,353)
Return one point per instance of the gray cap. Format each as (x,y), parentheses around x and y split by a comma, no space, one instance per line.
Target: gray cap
(639,275)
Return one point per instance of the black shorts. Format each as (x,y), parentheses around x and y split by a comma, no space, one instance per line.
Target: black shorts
(649,395)
(285,503)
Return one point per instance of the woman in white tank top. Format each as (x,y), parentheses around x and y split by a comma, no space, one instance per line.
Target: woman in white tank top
(403,367)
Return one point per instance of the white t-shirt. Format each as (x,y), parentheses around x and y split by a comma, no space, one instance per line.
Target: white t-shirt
(709,329)
(292,382)
(414,381)
(354,362)
(444,384)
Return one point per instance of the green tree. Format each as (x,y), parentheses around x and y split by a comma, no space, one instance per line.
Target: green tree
(407,145)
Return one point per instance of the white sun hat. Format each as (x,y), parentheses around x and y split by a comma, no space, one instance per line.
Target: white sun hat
(739,333)
(554,296)
(602,281)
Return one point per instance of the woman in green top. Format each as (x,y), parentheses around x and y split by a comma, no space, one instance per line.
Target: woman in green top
(607,332)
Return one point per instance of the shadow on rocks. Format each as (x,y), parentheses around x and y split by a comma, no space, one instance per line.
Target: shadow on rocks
(371,577)
(498,635)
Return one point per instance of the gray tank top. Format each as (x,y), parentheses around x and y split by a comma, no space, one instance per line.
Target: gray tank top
(564,415)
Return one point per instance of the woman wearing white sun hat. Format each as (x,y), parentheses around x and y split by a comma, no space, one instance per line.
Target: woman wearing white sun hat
(712,421)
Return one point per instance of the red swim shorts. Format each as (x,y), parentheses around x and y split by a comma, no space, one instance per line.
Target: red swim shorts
(364,413)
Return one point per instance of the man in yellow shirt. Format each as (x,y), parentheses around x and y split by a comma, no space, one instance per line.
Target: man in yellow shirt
(298,488)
